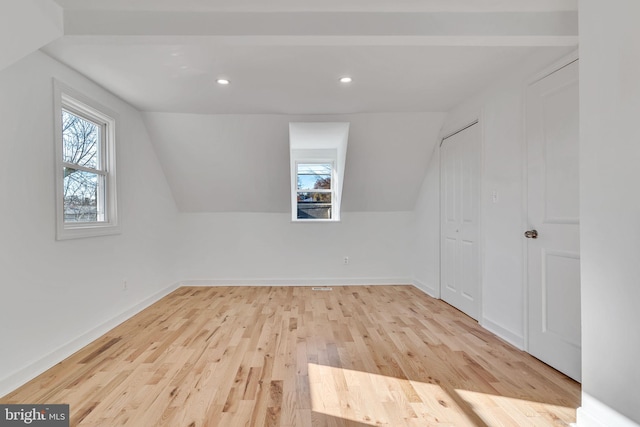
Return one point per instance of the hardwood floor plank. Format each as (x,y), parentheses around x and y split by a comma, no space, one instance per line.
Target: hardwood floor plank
(290,356)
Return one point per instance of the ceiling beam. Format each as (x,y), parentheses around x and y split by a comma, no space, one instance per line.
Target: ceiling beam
(326,5)
(334,28)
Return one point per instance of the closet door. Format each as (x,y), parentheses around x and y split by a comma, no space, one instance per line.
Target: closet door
(459,181)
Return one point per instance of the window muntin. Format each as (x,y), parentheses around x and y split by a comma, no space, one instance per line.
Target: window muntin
(86,203)
(314,192)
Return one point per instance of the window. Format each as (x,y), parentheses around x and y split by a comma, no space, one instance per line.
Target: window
(314,192)
(317,155)
(85,173)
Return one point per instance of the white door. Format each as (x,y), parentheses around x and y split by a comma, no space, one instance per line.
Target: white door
(459,265)
(553,211)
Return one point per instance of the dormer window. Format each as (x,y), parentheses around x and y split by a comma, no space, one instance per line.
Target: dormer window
(318,153)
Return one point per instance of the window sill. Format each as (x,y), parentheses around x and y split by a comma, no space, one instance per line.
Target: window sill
(315,220)
(87,230)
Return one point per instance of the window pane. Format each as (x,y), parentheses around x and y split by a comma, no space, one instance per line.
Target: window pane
(314,205)
(80,141)
(314,176)
(82,196)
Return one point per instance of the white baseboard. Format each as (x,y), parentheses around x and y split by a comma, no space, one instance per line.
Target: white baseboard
(502,332)
(29,372)
(429,290)
(491,326)
(299,282)
(594,413)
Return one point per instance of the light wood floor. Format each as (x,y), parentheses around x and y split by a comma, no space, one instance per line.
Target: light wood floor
(290,356)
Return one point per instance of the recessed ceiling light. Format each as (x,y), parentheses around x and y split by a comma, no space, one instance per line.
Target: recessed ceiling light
(345,79)
(223,81)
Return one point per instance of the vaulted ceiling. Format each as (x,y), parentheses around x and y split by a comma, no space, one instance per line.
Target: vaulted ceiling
(284,59)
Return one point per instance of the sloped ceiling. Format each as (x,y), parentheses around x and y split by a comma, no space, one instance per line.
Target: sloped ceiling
(240,163)
(27,25)
(224,148)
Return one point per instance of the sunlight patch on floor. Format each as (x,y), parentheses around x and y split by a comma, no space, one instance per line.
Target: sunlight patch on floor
(373,399)
(491,408)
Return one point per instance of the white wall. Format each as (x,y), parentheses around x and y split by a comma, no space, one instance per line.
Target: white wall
(268,248)
(500,111)
(425,241)
(53,292)
(610,211)
(235,224)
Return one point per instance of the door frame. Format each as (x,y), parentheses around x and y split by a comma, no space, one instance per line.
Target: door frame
(545,72)
(459,126)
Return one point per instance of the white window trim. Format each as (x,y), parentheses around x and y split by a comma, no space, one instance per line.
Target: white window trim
(74,101)
(335,209)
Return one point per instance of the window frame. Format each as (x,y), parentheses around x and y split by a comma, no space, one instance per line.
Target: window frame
(294,194)
(74,102)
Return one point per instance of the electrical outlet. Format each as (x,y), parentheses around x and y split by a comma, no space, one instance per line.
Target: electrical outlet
(346,260)
(125,284)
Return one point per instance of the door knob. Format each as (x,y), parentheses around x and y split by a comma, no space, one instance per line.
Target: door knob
(531,234)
